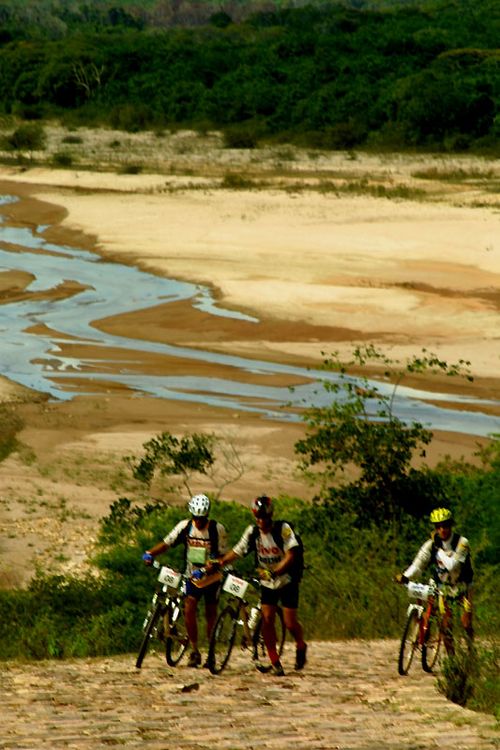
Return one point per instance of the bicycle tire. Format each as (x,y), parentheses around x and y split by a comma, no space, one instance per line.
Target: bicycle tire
(409,642)
(149,631)
(176,641)
(222,640)
(432,644)
(259,647)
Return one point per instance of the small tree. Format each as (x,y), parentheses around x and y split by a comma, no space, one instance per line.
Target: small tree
(360,431)
(167,455)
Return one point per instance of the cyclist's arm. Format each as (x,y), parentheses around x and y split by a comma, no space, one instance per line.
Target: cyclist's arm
(158,549)
(227,558)
(240,549)
(420,563)
(285,563)
(458,557)
(169,540)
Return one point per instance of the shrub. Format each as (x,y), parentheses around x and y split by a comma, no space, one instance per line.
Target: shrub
(62,159)
(28,137)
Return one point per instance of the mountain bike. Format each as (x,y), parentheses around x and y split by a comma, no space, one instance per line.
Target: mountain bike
(165,618)
(238,613)
(424,627)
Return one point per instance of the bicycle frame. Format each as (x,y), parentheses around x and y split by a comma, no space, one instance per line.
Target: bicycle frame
(236,614)
(164,620)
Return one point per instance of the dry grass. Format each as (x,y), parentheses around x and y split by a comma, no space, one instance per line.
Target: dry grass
(203,157)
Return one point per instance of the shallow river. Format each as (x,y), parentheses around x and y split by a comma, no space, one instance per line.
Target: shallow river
(36,361)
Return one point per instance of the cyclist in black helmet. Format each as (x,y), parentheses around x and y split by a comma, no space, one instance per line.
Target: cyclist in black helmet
(277,548)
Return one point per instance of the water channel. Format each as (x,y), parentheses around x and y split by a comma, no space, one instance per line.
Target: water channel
(35,360)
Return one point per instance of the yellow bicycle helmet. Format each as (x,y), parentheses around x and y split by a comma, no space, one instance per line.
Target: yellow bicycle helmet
(441,515)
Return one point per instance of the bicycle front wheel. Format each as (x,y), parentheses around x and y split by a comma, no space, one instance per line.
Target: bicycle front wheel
(431,644)
(259,647)
(409,642)
(222,640)
(177,640)
(150,631)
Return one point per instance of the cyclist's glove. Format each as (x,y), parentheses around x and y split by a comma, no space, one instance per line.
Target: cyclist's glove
(148,557)
(265,575)
(401,578)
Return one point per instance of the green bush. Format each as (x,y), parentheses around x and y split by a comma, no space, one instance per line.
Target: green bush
(62,159)
(28,137)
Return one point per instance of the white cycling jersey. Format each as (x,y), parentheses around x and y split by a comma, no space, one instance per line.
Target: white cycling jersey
(448,561)
(268,552)
(198,547)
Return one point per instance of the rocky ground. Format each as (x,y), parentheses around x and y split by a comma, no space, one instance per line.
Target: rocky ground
(349,697)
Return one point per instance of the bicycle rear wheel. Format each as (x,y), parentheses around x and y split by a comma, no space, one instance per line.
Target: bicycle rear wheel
(409,642)
(259,647)
(150,629)
(222,640)
(177,640)
(432,644)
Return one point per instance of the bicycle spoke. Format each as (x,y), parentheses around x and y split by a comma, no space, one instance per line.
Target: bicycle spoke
(222,640)
(409,642)
(176,640)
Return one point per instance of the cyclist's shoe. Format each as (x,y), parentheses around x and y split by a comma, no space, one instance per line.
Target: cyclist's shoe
(264,668)
(275,669)
(194,659)
(301,657)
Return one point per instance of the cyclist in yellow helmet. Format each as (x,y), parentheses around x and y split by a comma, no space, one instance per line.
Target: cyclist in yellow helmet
(447,554)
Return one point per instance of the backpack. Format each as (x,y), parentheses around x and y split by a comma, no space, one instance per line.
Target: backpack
(296,570)
(213,535)
(466,574)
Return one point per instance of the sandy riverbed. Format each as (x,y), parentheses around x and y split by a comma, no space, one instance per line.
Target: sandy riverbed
(320,270)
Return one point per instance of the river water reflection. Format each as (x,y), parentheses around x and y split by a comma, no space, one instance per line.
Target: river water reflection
(35,360)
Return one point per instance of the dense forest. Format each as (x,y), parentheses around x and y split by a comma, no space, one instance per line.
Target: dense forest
(329,75)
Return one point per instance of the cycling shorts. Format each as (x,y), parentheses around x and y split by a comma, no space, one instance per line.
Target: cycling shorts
(209,593)
(287,596)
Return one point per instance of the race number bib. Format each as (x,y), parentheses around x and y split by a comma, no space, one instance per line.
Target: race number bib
(169,577)
(235,586)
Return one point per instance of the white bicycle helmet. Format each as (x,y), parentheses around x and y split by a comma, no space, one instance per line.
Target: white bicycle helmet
(199,505)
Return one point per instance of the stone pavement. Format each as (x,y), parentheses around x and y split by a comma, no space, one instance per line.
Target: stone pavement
(349,697)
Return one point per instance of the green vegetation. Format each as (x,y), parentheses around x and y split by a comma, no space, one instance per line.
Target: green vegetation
(10,425)
(328,75)
(366,522)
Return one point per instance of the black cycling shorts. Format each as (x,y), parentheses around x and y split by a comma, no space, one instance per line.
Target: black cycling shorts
(287,596)
(209,593)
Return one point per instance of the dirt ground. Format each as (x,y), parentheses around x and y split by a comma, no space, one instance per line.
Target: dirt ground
(306,245)
(349,697)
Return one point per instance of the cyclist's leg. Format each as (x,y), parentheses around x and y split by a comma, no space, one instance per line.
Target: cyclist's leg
(294,626)
(447,629)
(190,609)
(466,616)
(290,602)
(269,631)
(193,594)
(211,596)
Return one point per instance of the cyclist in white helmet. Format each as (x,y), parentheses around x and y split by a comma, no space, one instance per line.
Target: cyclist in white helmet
(203,539)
